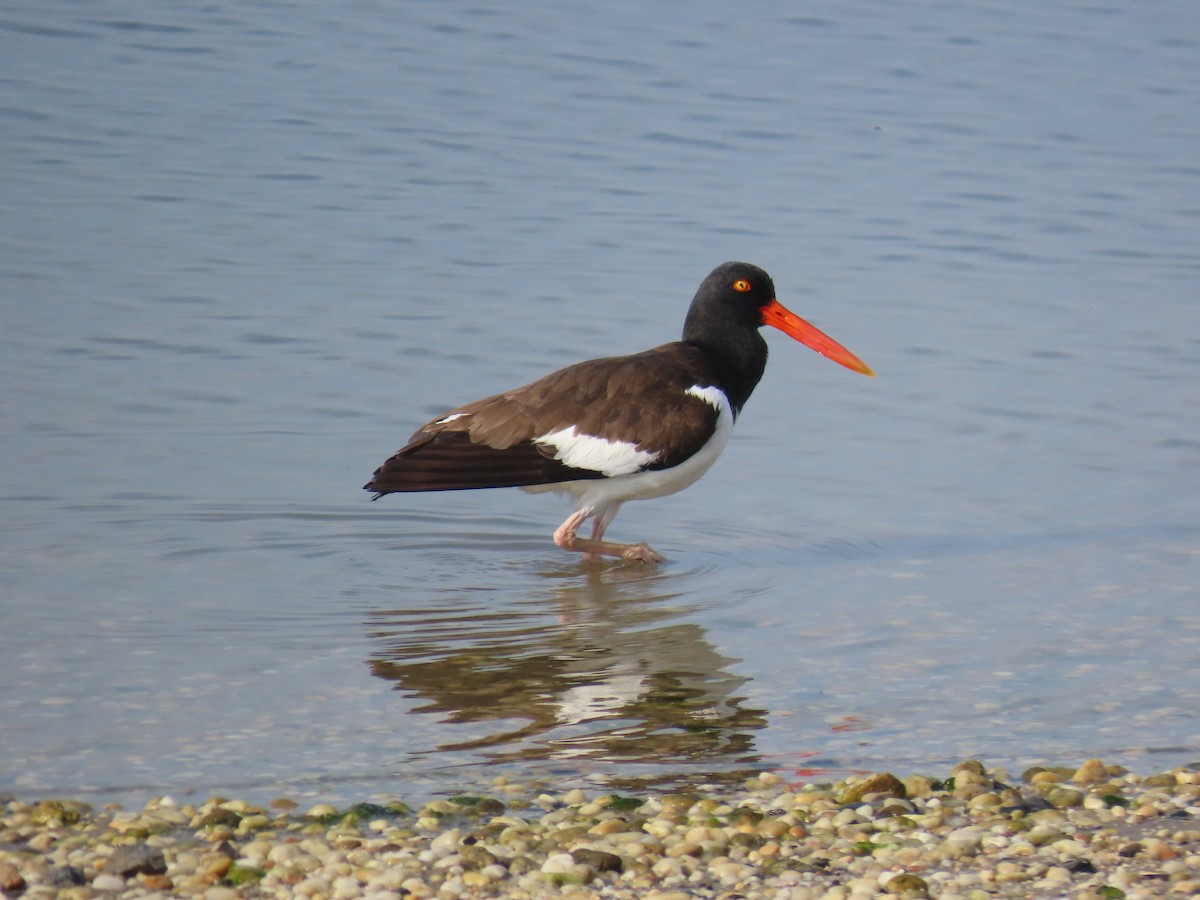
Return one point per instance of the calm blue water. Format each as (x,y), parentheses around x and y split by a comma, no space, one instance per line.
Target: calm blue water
(246,248)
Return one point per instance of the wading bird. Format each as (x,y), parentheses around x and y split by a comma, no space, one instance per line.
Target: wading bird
(619,428)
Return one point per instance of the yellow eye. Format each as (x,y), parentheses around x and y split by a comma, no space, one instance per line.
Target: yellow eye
(741,285)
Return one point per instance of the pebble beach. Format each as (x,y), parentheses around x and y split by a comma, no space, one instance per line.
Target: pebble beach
(1087,830)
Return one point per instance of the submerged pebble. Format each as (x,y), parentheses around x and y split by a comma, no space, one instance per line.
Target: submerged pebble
(1088,830)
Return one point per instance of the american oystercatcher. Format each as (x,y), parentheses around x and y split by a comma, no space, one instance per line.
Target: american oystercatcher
(615,429)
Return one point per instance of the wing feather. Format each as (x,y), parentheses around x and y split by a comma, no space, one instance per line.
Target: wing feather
(493,442)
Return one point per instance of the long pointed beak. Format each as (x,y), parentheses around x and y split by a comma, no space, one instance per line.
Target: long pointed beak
(779,316)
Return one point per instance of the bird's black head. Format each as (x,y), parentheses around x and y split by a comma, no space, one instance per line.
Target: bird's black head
(733,295)
(737,299)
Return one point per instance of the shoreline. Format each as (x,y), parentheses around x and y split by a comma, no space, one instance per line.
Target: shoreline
(1085,831)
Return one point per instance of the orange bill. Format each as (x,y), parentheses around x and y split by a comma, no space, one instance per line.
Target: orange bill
(779,316)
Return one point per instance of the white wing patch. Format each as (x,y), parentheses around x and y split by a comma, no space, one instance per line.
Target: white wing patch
(450,418)
(586,451)
(605,495)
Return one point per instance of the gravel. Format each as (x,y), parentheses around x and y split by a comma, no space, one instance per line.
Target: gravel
(1089,831)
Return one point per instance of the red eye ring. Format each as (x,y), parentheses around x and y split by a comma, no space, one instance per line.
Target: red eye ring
(741,285)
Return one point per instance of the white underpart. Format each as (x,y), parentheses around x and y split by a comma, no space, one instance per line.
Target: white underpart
(604,496)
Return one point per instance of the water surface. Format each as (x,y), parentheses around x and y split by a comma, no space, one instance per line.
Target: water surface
(246,249)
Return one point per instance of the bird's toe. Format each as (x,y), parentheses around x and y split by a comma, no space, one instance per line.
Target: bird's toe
(642,553)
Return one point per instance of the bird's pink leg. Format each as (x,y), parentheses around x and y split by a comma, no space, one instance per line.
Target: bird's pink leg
(594,547)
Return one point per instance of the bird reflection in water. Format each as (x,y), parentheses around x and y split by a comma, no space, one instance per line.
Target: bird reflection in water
(599,669)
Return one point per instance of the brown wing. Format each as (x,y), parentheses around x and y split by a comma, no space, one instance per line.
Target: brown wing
(490,443)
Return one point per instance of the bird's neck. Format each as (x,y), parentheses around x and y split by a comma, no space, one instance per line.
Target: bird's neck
(738,358)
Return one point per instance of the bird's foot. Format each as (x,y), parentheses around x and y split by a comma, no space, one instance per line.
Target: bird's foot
(642,552)
(594,551)
(594,548)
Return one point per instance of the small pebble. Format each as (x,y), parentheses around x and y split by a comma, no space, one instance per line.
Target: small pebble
(1091,772)
(10,877)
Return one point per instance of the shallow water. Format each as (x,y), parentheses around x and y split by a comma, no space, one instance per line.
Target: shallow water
(247,249)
